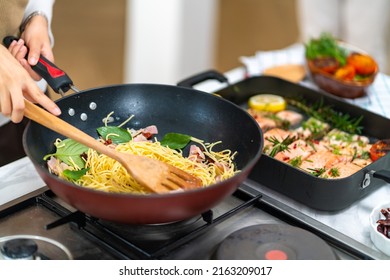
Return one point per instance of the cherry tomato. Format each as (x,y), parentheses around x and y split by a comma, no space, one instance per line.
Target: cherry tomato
(346,73)
(379,149)
(363,64)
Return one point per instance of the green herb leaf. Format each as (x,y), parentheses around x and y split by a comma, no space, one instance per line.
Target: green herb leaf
(329,115)
(317,171)
(325,46)
(69,151)
(280,146)
(116,134)
(75,174)
(175,140)
(334,172)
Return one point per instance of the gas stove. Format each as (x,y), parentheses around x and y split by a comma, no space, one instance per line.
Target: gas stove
(247,225)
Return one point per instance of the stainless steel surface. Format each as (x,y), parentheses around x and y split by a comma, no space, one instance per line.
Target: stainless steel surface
(34,219)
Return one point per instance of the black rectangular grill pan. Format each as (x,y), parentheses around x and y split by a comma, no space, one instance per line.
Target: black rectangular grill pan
(317,193)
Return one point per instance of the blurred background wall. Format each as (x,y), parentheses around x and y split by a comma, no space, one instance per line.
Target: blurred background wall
(101,42)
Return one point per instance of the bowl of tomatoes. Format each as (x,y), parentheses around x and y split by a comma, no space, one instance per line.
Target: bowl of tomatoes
(339,68)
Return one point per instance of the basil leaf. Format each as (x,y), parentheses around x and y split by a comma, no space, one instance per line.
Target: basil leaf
(116,134)
(75,174)
(175,140)
(69,151)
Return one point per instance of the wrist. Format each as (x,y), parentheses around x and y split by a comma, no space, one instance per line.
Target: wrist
(28,19)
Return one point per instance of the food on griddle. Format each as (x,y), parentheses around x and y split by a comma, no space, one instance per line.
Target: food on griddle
(86,167)
(314,143)
(379,149)
(267,102)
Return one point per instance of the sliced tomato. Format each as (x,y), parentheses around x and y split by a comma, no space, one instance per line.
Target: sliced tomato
(363,64)
(345,73)
(379,149)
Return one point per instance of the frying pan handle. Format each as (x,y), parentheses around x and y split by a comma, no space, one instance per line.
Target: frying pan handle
(198,78)
(57,79)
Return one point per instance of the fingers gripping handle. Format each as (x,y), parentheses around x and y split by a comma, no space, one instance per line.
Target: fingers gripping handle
(57,79)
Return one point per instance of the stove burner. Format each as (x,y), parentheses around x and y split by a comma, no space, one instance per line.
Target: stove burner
(274,242)
(19,249)
(155,232)
(32,247)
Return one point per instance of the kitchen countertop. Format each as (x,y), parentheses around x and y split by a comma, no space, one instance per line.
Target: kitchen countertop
(19,178)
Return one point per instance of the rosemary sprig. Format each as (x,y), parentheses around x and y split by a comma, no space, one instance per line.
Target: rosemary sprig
(327,114)
(280,146)
(317,171)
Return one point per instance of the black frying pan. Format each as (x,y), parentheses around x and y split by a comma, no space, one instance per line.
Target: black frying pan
(171,109)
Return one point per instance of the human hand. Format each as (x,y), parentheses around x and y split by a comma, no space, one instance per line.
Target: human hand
(36,38)
(16,84)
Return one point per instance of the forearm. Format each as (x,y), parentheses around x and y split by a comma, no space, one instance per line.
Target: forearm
(43,7)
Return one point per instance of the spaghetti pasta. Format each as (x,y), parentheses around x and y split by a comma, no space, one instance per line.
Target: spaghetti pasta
(106,174)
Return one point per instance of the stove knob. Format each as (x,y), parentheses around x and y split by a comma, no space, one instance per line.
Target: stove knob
(19,249)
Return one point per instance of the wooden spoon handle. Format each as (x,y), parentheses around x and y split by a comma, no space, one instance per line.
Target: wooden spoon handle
(41,116)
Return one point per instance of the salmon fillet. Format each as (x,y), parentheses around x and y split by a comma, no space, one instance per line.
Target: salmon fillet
(298,149)
(323,159)
(342,170)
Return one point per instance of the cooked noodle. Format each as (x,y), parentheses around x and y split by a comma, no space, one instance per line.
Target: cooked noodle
(107,174)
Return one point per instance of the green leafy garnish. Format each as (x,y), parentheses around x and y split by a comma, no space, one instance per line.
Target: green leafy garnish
(70,151)
(297,161)
(328,115)
(326,46)
(116,134)
(280,146)
(334,172)
(175,141)
(75,174)
(316,127)
(317,171)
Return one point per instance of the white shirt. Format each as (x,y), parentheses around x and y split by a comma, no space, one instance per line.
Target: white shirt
(45,6)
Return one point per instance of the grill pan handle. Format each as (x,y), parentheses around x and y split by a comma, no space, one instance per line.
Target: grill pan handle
(56,78)
(382,174)
(201,77)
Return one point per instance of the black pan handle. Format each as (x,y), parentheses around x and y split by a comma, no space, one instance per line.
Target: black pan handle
(57,79)
(382,174)
(200,77)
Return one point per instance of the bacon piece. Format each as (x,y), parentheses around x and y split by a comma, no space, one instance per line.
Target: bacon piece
(140,138)
(149,131)
(56,166)
(196,154)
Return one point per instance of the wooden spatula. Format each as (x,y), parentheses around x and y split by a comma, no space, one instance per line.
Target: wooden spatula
(155,175)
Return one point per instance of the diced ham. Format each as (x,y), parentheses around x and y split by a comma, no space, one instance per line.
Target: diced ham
(149,131)
(56,166)
(196,154)
(140,138)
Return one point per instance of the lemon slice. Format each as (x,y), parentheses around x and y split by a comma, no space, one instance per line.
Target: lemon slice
(267,102)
